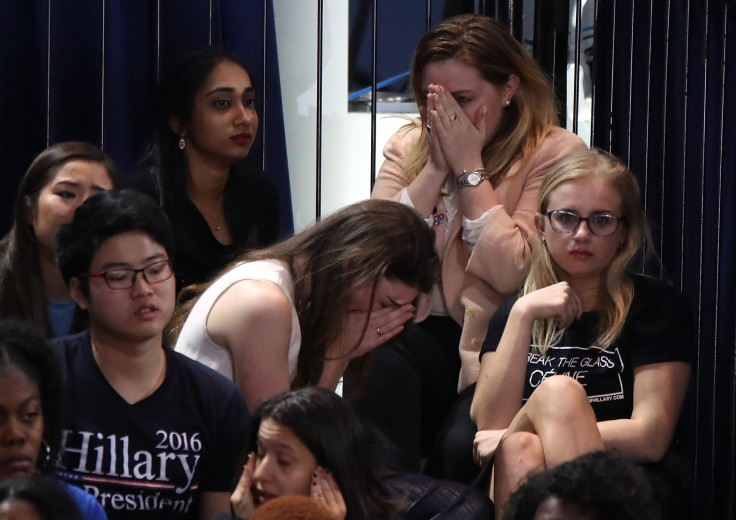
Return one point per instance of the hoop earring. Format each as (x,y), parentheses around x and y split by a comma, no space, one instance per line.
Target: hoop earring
(182,143)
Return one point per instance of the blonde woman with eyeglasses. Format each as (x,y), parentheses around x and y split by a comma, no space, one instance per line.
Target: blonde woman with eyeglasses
(589,356)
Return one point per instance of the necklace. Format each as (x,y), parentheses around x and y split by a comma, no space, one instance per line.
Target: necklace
(209,217)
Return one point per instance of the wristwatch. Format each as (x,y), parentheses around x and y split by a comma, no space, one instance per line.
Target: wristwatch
(472,178)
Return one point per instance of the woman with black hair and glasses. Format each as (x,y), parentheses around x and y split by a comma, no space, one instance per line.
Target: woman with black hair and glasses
(589,356)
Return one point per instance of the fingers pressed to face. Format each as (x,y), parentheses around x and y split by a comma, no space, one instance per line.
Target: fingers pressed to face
(326,491)
(391,319)
(445,106)
(241,498)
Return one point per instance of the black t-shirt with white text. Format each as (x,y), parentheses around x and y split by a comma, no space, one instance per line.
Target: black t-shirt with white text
(657,329)
(154,458)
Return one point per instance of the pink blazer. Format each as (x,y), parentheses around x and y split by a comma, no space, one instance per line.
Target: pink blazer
(475,285)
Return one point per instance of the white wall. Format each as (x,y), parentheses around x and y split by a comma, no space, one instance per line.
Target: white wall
(345,150)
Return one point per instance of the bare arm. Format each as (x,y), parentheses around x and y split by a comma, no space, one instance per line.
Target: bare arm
(659,392)
(252,319)
(500,389)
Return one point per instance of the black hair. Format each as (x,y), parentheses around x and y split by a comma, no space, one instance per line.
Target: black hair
(48,497)
(24,348)
(603,483)
(102,216)
(175,96)
(329,428)
(247,188)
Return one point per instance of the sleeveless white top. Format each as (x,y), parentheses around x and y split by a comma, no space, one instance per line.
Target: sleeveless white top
(196,343)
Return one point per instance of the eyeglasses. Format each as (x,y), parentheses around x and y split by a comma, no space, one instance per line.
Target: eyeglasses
(156,272)
(600,224)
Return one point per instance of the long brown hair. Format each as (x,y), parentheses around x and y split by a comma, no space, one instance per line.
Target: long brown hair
(480,42)
(619,290)
(22,293)
(352,248)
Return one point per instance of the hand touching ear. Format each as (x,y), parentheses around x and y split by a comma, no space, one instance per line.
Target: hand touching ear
(325,491)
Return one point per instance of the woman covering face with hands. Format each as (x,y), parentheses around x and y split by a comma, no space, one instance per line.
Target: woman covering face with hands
(472,167)
(301,312)
(588,356)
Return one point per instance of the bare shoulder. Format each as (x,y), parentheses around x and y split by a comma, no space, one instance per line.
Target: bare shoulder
(246,305)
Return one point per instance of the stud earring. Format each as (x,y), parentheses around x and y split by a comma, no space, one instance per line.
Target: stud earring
(507,102)
(46,452)
(182,143)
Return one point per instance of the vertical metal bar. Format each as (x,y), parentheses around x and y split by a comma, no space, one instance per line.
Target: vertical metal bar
(629,125)
(48,76)
(158,41)
(264,119)
(576,72)
(429,14)
(683,150)
(663,163)
(610,87)
(374,90)
(209,34)
(713,390)
(593,94)
(646,100)
(721,136)
(102,80)
(318,158)
(511,20)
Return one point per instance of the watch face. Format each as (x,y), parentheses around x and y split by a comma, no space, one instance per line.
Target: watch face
(473,178)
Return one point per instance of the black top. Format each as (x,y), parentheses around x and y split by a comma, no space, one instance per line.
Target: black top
(152,459)
(658,328)
(251,212)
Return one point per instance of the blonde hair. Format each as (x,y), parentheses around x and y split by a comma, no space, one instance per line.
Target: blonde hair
(480,42)
(619,290)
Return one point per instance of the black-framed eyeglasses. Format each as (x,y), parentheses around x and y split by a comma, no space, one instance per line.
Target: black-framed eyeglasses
(123,278)
(600,224)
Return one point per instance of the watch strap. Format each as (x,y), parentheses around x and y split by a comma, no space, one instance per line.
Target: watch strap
(463,182)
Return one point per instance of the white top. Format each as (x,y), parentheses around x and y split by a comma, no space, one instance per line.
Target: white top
(196,343)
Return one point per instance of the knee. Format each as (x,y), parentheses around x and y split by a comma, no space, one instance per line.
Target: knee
(560,396)
(521,446)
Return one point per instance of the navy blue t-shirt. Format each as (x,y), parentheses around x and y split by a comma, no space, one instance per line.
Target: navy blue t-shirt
(658,328)
(154,458)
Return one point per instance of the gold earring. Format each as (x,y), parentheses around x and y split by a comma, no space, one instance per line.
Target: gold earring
(182,143)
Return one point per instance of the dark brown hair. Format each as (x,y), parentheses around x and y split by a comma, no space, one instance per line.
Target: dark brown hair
(22,293)
(352,248)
